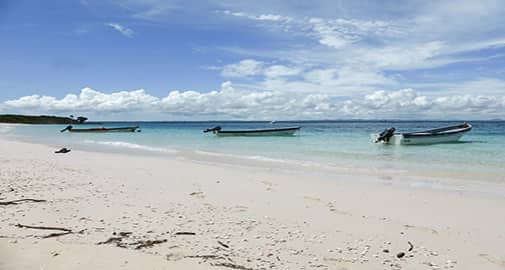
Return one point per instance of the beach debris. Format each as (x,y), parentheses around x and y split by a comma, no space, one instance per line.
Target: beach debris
(223,244)
(56,234)
(185,233)
(197,194)
(113,240)
(110,240)
(119,237)
(43,228)
(122,234)
(432,264)
(385,250)
(231,265)
(411,246)
(63,150)
(65,231)
(206,257)
(174,256)
(400,255)
(20,201)
(148,243)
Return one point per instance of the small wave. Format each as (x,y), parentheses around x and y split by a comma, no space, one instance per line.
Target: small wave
(6,129)
(120,144)
(259,158)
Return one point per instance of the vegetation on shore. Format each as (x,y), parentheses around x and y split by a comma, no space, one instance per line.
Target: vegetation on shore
(40,119)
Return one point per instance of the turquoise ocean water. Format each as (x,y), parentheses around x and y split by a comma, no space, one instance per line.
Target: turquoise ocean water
(479,155)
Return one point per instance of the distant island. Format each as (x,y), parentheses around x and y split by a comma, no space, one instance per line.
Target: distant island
(40,119)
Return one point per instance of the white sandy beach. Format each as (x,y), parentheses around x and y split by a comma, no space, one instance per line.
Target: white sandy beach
(205,215)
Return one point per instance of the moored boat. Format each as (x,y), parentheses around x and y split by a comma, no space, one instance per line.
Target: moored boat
(439,135)
(286,131)
(100,130)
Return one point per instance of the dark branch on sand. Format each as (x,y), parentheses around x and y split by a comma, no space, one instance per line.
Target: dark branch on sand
(65,231)
(20,201)
(56,234)
(206,257)
(411,246)
(118,241)
(147,243)
(231,265)
(43,228)
(112,240)
(185,233)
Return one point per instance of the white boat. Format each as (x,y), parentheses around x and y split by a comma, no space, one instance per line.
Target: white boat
(286,131)
(439,135)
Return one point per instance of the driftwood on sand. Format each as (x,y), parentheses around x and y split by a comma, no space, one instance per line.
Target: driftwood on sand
(231,265)
(20,201)
(110,241)
(223,244)
(147,243)
(43,228)
(206,257)
(118,241)
(222,264)
(64,231)
(185,233)
(411,246)
(57,234)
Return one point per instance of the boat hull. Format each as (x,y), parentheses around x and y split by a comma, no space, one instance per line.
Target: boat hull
(259,132)
(430,139)
(398,139)
(104,130)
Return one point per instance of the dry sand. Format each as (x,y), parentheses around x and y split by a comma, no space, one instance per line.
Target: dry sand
(220,216)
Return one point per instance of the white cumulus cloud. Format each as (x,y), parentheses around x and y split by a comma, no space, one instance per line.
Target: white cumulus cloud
(408,103)
(87,100)
(230,102)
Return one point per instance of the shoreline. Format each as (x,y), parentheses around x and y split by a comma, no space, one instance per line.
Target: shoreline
(410,179)
(257,218)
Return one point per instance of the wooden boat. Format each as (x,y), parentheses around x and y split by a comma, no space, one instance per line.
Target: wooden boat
(100,130)
(286,131)
(439,135)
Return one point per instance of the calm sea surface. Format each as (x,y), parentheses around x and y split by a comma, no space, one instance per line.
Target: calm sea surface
(347,144)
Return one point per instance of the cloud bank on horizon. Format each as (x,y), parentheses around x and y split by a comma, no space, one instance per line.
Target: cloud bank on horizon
(230,103)
(279,60)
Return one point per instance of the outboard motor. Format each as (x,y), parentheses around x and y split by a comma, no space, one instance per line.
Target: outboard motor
(69,127)
(214,129)
(386,135)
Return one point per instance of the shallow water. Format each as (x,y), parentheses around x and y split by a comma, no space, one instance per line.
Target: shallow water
(346,144)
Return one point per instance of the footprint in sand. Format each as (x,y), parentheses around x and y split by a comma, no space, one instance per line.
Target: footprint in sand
(268,185)
(330,205)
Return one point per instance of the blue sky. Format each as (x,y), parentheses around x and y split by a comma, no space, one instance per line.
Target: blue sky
(196,60)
